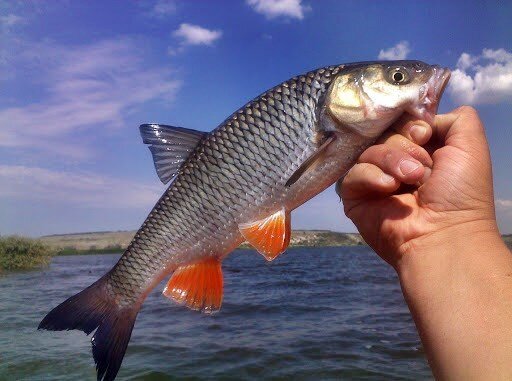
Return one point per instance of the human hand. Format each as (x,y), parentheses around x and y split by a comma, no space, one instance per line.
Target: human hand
(439,232)
(450,185)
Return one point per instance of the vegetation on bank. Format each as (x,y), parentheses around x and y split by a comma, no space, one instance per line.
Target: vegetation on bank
(113,249)
(508,240)
(116,241)
(21,253)
(17,253)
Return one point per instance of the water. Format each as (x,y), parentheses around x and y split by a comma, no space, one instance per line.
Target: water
(313,314)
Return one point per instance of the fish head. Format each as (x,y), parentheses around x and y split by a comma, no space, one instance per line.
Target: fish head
(369,97)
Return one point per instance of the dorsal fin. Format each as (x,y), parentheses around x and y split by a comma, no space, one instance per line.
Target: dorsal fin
(170,147)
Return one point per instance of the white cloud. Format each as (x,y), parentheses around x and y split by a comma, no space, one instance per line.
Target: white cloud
(196,35)
(504,215)
(398,52)
(10,20)
(84,88)
(279,8)
(465,61)
(82,188)
(500,55)
(163,8)
(504,203)
(486,78)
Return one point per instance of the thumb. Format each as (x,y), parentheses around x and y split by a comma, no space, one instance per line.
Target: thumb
(462,128)
(462,163)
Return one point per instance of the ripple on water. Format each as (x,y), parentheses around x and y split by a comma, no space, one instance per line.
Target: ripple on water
(323,313)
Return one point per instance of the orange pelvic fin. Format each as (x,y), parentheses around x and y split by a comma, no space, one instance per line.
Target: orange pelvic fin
(270,236)
(198,285)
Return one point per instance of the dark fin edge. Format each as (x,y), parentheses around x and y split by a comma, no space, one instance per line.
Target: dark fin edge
(91,309)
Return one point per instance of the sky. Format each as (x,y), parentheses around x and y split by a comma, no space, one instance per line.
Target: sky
(78,78)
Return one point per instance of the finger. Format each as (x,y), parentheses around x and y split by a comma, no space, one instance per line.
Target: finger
(463,129)
(417,131)
(400,142)
(395,162)
(365,180)
(462,121)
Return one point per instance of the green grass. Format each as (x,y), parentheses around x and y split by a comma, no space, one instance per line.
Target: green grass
(20,253)
(508,240)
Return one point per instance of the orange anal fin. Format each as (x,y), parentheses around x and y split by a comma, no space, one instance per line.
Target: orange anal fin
(198,285)
(270,236)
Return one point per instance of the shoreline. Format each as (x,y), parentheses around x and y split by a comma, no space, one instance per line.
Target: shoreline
(111,242)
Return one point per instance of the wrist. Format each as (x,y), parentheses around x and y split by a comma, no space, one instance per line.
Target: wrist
(458,286)
(472,243)
(457,269)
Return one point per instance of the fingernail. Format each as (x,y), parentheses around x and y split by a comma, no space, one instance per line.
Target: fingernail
(426,175)
(385,178)
(408,166)
(418,132)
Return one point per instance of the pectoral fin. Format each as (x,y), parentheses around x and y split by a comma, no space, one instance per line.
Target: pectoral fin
(310,161)
(199,285)
(270,236)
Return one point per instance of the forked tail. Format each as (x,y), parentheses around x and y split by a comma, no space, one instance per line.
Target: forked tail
(93,309)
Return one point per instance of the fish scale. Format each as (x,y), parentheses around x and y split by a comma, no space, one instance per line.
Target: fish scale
(192,208)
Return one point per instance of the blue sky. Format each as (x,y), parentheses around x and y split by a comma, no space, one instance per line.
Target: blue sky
(77,78)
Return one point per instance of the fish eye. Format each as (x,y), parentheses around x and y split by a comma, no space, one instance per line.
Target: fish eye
(398,76)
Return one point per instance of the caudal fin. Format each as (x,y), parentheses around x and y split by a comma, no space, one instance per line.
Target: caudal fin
(93,309)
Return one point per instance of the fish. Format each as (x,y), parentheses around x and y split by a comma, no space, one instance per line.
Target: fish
(240,182)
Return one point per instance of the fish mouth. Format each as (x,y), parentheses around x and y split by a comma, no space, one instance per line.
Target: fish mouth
(430,94)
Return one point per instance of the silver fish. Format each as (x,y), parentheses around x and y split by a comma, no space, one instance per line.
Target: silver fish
(239,183)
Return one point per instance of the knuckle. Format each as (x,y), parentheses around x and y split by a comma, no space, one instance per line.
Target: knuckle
(388,156)
(370,153)
(399,142)
(396,139)
(468,110)
(404,143)
(414,151)
(417,151)
(470,114)
(366,170)
(350,174)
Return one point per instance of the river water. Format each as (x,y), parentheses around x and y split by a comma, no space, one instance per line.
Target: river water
(312,314)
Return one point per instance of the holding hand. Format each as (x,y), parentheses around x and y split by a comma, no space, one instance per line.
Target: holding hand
(429,212)
(455,184)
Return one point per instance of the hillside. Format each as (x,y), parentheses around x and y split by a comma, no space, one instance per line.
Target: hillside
(116,241)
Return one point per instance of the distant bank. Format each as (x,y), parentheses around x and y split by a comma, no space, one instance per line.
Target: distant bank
(508,240)
(117,241)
